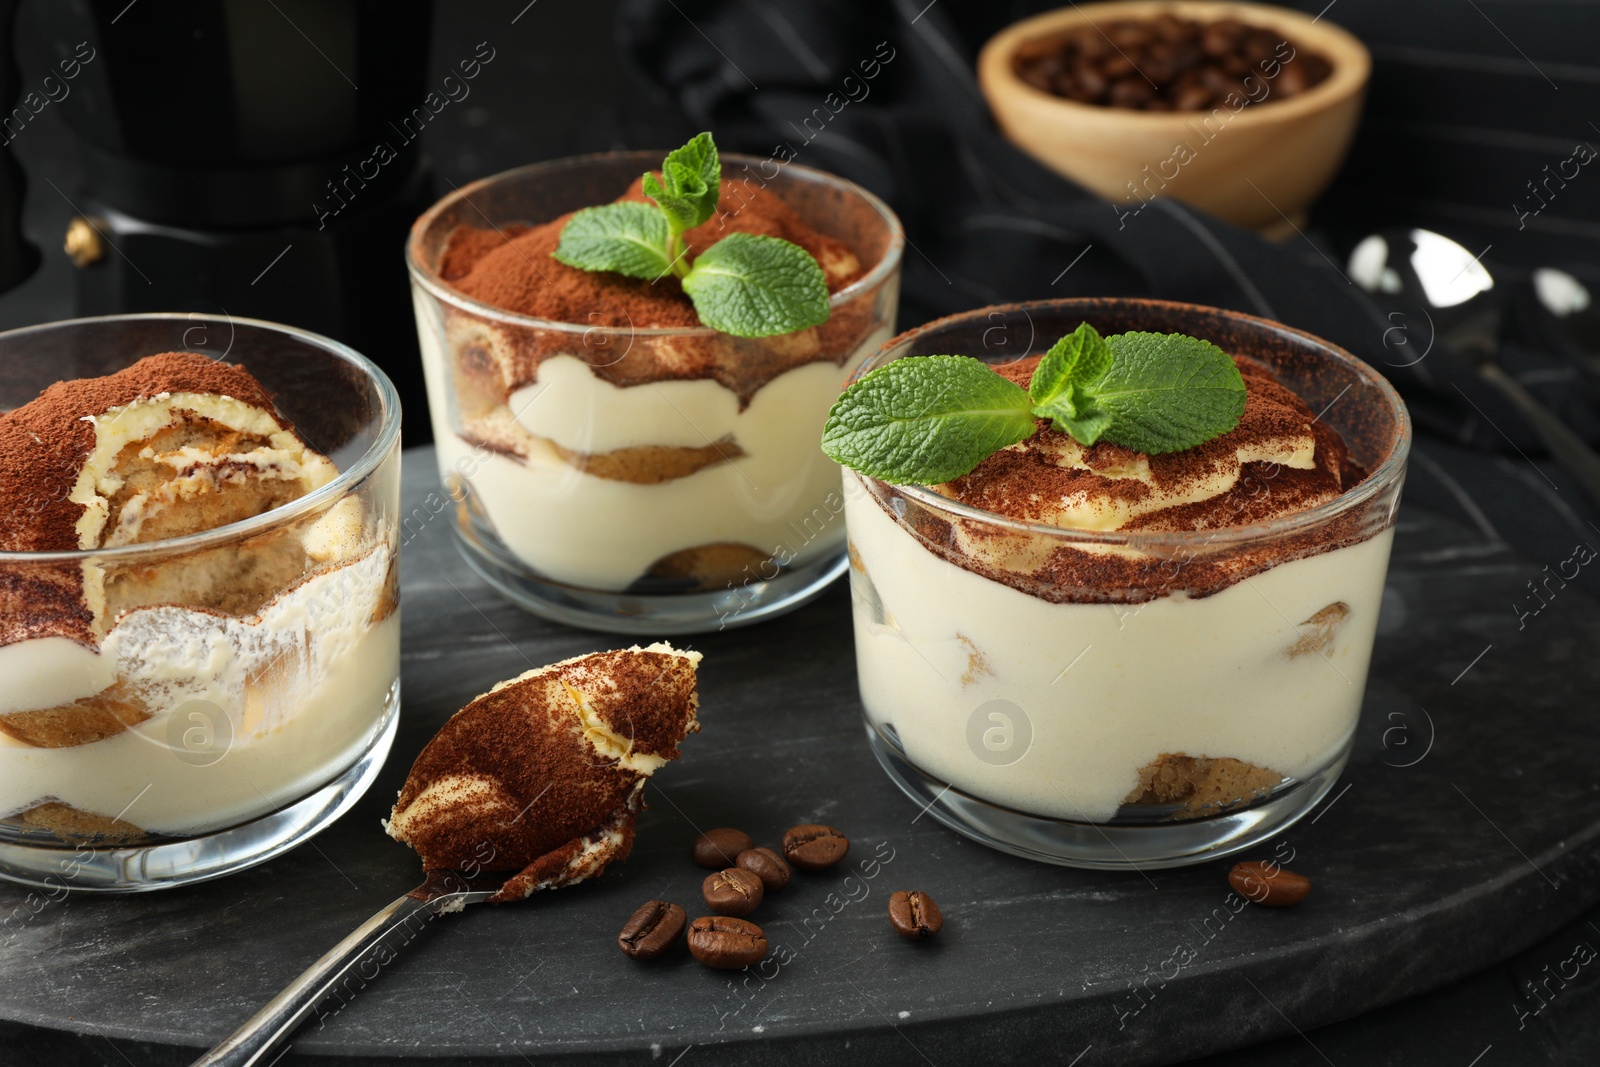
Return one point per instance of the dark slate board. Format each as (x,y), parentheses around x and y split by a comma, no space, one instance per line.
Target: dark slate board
(1467,827)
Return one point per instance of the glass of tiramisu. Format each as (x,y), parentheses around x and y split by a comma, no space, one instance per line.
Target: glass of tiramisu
(614,461)
(1103,657)
(199,627)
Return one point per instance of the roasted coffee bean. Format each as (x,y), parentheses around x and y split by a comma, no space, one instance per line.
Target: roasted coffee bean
(1170,28)
(1129,35)
(719,848)
(1291,79)
(652,930)
(766,865)
(1269,884)
(1116,66)
(1092,81)
(734,891)
(1260,45)
(914,914)
(1191,97)
(726,943)
(1089,42)
(813,847)
(1131,92)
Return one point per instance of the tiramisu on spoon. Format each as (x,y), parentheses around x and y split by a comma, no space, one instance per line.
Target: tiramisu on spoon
(534,785)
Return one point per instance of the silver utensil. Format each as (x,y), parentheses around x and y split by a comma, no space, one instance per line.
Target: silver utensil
(1429,269)
(1568,305)
(443,892)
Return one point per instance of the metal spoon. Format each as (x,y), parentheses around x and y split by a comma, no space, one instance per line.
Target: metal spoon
(1427,268)
(1567,307)
(443,892)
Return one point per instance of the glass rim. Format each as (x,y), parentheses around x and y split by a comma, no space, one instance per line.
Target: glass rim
(425,276)
(357,472)
(1380,480)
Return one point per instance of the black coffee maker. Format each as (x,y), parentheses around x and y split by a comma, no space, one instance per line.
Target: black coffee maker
(255,158)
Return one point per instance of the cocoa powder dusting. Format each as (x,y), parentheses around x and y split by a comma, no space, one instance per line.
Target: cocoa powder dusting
(544,784)
(1022,481)
(44,443)
(520,275)
(467,246)
(43,447)
(512,269)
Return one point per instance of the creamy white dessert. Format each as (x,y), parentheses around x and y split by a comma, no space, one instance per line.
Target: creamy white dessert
(1070,681)
(244,715)
(624,446)
(774,492)
(180,692)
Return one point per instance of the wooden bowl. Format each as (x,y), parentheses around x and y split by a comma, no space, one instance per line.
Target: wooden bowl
(1259,166)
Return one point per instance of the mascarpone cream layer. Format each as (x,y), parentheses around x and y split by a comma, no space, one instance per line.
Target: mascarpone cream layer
(1104,689)
(780,496)
(301,688)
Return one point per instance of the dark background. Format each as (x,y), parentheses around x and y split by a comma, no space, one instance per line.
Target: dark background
(1469,100)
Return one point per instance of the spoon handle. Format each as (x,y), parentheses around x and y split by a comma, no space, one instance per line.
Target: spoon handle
(1570,450)
(264,1030)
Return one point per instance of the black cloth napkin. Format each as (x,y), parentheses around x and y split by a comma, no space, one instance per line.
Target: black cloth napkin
(884,93)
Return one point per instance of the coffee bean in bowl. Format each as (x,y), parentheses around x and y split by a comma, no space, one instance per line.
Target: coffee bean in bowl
(652,930)
(720,848)
(814,847)
(766,865)
(914,915)
(726,943)
(734,891)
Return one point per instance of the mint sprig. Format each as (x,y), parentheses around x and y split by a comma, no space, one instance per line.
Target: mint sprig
(746,285)
(1062,384)
(747,278)
(1166,392)
(933,418)
(926,420)
(626,239)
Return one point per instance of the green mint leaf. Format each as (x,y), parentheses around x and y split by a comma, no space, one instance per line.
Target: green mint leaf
(1073,411)
(1165,392)
(691,181)
(926,420)
(755,286)
(1080,358)
(678,211)
(682,212)
(628,238)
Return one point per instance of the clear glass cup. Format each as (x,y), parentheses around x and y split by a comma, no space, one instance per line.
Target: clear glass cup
(637,499)
(1199,697)
(245,684)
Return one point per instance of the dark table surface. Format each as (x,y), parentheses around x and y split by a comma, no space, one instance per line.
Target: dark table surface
(1466,830)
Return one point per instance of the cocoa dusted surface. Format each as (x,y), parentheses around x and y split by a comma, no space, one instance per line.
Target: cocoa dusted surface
(43,446)
(521,275)
(1015,482)
(550,785)
(44,443)
(1415,888)
(511,268)
(1211,563)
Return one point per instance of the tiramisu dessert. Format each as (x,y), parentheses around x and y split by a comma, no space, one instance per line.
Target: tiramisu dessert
(1028,655)
(154,693)
(649,433)
(542,777)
